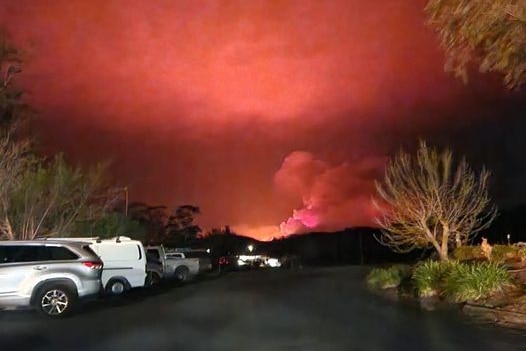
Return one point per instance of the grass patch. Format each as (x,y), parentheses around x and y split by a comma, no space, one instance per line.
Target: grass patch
(465,281)
(428,277)
(385,278)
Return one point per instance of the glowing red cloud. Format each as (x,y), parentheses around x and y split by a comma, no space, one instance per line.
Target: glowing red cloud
(199,101)
(270,60)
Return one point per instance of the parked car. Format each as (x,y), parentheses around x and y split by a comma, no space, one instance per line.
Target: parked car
(202,256)
(156,269)
(226,263)
(257,261)
(172,265)
(49,276)
(124,262)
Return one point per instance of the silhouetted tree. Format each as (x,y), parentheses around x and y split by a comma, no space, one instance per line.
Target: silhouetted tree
(220,241)
(152,218)
(111,225)
(429,201)
(181,229)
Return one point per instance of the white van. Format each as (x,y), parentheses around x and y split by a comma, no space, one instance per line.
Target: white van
(124,262)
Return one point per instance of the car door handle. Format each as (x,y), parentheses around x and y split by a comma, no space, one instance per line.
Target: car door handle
(40,268)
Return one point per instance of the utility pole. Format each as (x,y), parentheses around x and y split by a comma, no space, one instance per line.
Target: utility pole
(126,201)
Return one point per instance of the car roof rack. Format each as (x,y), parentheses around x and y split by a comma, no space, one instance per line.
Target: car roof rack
(97,239)
(85,238)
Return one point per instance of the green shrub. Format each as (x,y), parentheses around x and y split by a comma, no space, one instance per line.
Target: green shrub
(499,253)
(506,253)
(468,253)
(385,278)
(465,281)
(429,276)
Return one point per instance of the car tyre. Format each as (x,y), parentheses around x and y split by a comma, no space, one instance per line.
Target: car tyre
(116,287)
(182,274)
(152,279)
(56,301)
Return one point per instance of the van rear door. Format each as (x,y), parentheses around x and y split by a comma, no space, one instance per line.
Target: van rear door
(124,259)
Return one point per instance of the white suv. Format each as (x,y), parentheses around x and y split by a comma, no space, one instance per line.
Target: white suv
(50,276)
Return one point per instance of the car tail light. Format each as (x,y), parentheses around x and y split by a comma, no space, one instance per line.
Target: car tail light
(93,264)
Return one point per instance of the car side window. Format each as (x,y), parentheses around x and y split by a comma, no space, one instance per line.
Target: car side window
(34,253)
(153,255)
(4,254)
(59,253)
(14,254)
(140,252)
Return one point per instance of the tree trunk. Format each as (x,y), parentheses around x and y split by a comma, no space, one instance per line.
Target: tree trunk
(7,229)
(444,246)
(444,254)
(458,241)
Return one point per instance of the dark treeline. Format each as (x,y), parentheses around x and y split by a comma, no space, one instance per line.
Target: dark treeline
(178,228)
(349,246)
(353,245)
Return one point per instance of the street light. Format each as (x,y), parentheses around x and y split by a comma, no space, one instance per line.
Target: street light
(250,248)
(509,237)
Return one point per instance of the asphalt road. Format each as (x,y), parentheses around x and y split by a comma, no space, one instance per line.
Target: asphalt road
(311,309)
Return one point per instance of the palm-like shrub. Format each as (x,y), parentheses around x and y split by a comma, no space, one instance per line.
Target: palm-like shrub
(385,278)
(465,282)
(429,276)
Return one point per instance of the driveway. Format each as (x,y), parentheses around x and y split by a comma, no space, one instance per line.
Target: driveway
(310,309)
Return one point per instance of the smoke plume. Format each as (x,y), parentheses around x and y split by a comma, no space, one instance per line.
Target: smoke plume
(331,197)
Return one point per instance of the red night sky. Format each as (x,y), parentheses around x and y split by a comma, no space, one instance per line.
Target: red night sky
(260,112)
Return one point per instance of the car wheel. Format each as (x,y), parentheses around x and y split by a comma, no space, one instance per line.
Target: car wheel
(152,279)
(116,287)
(56,300)
(182,273)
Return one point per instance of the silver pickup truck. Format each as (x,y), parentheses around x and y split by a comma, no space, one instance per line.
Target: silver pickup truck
(172,265)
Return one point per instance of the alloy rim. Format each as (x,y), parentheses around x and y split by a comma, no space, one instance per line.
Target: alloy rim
(54,302)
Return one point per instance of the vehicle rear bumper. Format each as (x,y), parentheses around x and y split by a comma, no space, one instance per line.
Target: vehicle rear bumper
(205,268)
(89,288)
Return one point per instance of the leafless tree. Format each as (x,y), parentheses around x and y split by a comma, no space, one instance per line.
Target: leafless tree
(428,200)
(13,163)
(39,198)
